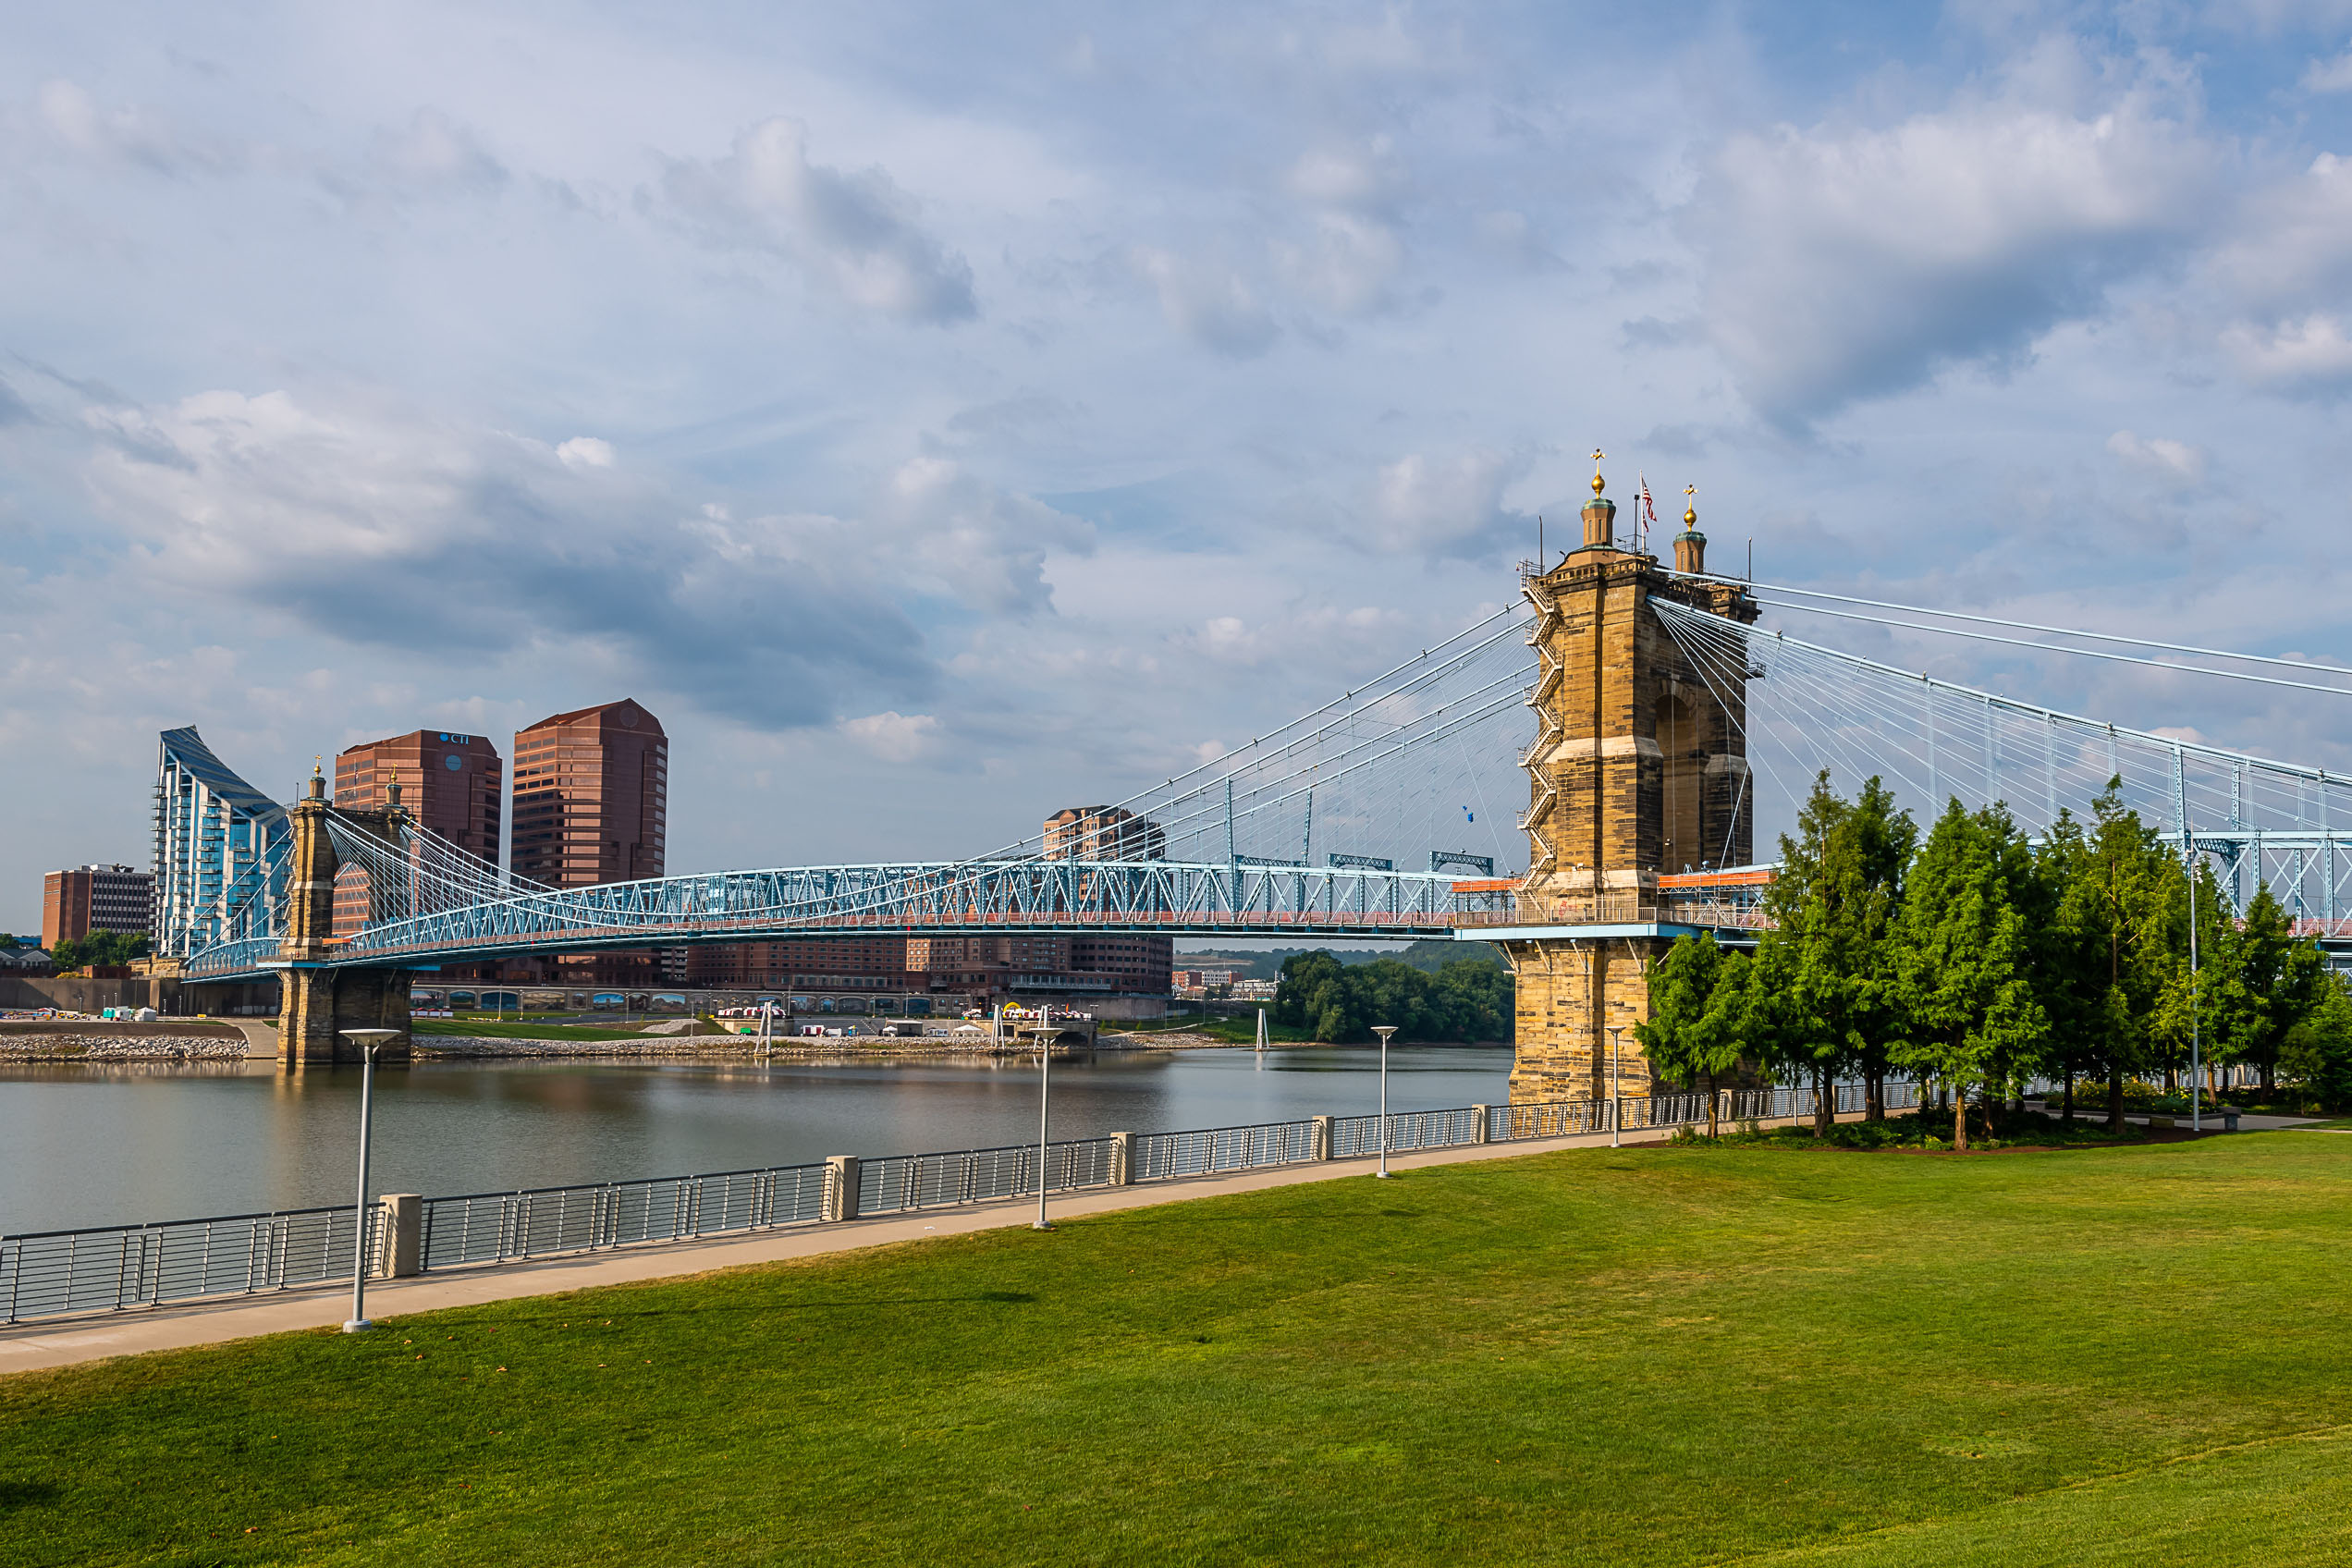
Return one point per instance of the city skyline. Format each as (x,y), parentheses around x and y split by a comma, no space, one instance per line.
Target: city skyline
(924,444)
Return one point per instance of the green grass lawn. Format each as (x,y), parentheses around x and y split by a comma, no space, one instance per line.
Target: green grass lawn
(1238,1030)
(2128,1356)
(496,1029)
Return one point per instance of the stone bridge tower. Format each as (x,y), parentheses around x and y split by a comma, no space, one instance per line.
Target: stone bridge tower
(1639,768)
(315,1001)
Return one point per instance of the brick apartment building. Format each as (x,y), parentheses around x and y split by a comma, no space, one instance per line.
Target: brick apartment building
(452,784)
(1136,965)
(1103,833)
(83,898)
(863,962)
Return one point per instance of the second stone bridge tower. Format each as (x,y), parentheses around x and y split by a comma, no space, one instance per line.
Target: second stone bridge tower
(1638,769)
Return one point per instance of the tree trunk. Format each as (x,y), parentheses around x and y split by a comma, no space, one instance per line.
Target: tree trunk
(1824,1103)
(1873,1094)
(2269,1083)
(1713,1099)
(2172,1078)
(1960,1119)
(2068,1119)
(2115,1099)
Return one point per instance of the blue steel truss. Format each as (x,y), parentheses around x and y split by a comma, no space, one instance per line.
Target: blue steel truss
(918,898)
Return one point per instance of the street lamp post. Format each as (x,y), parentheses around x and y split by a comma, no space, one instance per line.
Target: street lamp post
(369,1041)
(1384,1031)
(1045,1104)
(1615,1106)
(2195,1117)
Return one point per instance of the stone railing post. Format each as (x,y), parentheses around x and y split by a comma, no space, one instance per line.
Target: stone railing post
(1123,1160)
(401,1236)
(1321,1139)
(840,1188)
(1484,1131)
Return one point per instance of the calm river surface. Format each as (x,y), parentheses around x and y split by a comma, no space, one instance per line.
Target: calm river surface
(119,1144)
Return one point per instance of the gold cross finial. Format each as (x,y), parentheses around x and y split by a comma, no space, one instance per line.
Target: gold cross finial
(1690,511)
(1599,484)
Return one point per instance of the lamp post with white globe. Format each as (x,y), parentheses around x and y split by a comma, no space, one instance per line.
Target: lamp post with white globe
(1384,1031)
(369,1041)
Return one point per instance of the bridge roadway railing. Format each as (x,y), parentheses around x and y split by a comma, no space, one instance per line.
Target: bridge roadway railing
(118,1267)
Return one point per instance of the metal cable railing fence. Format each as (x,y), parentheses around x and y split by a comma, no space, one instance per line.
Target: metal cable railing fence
(71,1272)
(1352,1138)
(1160,1156)
(897,1183)
(126,1265)
(542,1223)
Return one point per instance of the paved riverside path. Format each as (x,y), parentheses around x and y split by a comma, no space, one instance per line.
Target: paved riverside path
(26,1347)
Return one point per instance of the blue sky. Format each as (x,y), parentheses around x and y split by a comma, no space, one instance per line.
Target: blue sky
(941,416)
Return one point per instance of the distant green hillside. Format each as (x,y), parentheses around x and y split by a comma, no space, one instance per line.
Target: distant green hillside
(1266,963)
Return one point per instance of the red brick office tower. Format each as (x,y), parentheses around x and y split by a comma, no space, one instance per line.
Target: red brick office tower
(452,786)
(591,806)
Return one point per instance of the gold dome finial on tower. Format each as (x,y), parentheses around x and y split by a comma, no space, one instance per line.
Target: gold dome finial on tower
(1599,484)
(1690,544)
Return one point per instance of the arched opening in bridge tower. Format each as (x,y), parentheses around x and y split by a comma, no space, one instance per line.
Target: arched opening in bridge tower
(1683,808)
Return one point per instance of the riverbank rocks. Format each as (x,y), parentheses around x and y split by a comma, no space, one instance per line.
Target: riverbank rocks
(121,1048)
(712,1048)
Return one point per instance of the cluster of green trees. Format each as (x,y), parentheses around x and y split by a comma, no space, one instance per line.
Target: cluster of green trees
(1469,998)
(101,948)
(1981,960)
(1266,963)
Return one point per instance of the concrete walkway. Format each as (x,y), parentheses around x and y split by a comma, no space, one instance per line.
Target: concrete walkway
(64,1341)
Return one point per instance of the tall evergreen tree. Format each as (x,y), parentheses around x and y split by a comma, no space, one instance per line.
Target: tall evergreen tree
(2122,913)
(1962,960)
(1822,984)
(1698,1014)
(2316,1055)
(2258,982)
(2070,960)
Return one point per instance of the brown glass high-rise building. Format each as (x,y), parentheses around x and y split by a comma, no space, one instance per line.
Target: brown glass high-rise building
(591,796)
(452,784)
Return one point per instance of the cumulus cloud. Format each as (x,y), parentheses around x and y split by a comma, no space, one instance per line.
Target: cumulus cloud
(121,135)
(1346,262)
(436,152)
(1353,248)
(2174,464)
(1296,635)
(2290,243)
(894,736)
(586,451)
(374,528)
(984,545)
(854,232)
(1442,506)
(1844,265)
(1209,303)
(2329,76)
(2309,357)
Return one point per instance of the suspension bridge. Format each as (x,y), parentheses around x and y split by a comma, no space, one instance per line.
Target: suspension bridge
(1639,710)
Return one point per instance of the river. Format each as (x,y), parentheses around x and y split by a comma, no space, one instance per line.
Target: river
(86,1145)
